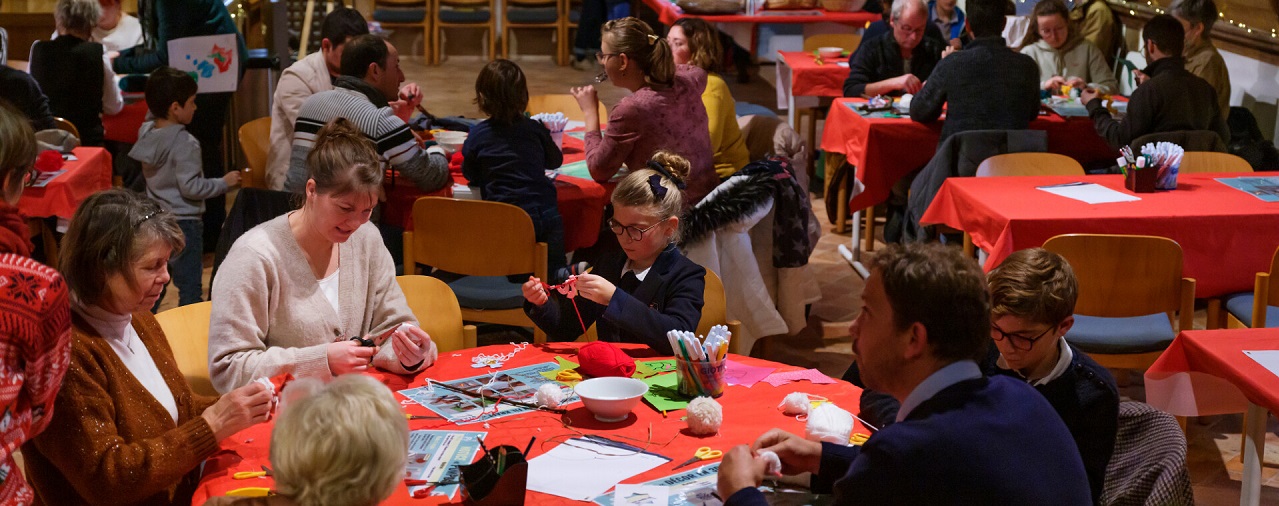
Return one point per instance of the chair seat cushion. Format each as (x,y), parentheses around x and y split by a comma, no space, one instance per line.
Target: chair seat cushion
(1240,305)
(574,16)
(487,292)
(399,15)
(530,15)
(1140,334)
(452,15)
(747,109)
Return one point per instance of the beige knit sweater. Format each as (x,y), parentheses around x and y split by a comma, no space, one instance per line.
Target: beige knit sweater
(270,317)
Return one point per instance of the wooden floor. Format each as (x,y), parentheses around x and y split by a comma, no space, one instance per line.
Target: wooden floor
(1214,441)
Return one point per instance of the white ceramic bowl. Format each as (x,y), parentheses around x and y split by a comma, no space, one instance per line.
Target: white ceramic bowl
(450,141)
(830,52)
(611,399)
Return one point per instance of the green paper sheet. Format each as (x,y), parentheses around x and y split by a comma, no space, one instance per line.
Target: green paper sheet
(565,365)
(663,392)
(575,169)
(646,368)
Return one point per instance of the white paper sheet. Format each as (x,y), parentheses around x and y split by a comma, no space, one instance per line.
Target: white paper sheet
(581,470)
(640,495)
(1090,193)
(1267,358)
(213,60)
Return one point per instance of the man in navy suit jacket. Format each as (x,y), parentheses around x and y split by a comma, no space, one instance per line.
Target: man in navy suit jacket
(960,438)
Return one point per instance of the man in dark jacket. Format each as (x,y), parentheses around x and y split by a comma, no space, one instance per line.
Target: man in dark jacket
(1170,99)
(986,86)
(898,61)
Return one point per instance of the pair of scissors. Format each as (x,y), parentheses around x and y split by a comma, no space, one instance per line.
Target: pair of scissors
(703,453)
(244,475)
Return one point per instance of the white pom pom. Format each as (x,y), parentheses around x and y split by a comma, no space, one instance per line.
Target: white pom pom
(705,416)
(828,423)
(795,403)
(774,462)
(549,395)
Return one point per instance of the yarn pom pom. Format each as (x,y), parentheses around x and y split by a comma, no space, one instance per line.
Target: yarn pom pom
(549,395)
(705,416)
(829,423)
(774,462)
(795,403)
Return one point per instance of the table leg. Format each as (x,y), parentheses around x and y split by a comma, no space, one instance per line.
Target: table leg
(868,237)
(1254,446)
(853,255)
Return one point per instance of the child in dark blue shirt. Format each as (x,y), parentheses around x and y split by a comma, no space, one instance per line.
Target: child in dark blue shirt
(507,156)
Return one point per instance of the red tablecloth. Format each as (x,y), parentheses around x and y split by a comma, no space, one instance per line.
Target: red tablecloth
(89,173)
(581,201)
(1205,372)
(668,12)
(885,149)
(123,126)
(810,79)
(1226,235)
(748,413)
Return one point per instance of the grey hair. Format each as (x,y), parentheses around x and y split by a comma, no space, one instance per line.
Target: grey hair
(77,16)
(1195,11)
(899,8)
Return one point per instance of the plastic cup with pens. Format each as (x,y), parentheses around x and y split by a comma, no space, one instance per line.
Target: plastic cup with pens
(700,363)
(555,122)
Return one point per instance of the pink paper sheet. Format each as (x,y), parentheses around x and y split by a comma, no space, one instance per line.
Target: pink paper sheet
(813,375)
(745,375)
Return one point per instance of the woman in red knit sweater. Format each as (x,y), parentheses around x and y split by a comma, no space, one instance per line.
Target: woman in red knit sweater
(35,322)
(128,428)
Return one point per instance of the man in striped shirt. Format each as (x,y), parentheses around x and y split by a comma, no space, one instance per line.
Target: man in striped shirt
(370,74)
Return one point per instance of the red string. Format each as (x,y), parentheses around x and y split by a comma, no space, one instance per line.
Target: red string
(569,289)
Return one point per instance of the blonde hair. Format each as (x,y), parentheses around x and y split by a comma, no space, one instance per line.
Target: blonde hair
(636,40)
(346,445)
(17,145)
(1035,284)
(637,190)
(344,160)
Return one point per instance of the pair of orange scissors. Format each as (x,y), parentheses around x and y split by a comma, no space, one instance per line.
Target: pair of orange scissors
(244,475)
(703,453)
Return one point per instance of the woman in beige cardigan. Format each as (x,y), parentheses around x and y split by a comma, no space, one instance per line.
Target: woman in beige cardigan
(1063,56)
(297,293)
(126,427)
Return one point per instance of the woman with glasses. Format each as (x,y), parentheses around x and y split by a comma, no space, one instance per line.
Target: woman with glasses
(1063,56)
(639,296)
(663,111)
(35,326)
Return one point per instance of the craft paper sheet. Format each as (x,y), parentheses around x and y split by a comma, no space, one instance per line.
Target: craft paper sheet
(811,375)
(581,470)
(519,384)
(1090,193)
(441,452)
(640,495)
(1264,188)
(745,375)
(1267,358)
(213,60)
(695,487)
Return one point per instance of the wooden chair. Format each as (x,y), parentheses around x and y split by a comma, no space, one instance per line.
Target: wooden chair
(714,312)
(187,329)
(484,242)
(255,141)
(66,126)
(848,41)
(1256,309)
(407,14)
(1125,282)
(570,13)
(526,14)
(1029,164)
(437,312)
(1210,161)
(463,14)
(562,102)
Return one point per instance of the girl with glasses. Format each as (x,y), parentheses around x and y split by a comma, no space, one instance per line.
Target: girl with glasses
(638,296)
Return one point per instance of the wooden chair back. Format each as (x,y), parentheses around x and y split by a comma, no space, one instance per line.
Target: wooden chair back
(437,25)
(187,330)
(1265,293)
(473,237)
(848,41)
(1029,164)
(1211,161)
(562,102)
(714,312)
(255,141)
(65,125)
(1127,275)
(437,312)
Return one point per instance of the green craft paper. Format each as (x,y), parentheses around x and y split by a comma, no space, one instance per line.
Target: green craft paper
(565,365)
(646,368)
(663,392)
(575,169)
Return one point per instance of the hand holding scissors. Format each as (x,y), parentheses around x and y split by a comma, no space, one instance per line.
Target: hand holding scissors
(703,453)
(244,475)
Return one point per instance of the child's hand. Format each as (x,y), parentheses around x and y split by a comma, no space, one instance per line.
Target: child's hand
(534,291)
(595,289)
(232,178)
(587,99)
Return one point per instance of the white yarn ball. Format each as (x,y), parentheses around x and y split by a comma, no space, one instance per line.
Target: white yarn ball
(549,395)
(829,423)
(774,462)
(705,416)
(795,403)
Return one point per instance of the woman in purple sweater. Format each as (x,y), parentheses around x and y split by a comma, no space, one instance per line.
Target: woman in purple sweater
(664,110)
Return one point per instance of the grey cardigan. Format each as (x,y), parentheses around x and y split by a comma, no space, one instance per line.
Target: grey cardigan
(270,317)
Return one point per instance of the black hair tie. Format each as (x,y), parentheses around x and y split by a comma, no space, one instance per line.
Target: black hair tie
(657,167)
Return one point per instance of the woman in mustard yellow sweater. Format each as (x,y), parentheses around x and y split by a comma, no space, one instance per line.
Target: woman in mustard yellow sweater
(696,42)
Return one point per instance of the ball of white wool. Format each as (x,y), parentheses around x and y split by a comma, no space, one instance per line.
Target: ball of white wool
(795,403)
(549,395)
(829,423)
(774,462)
(705,416)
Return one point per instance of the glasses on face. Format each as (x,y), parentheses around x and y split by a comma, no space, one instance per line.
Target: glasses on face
(1018,342)
(912,31)
(602,57)
(632,232)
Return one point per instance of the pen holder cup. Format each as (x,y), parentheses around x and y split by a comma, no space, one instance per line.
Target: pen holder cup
(483,486)
(1141,180)
(558,139)
(1167,178)
(700,378)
